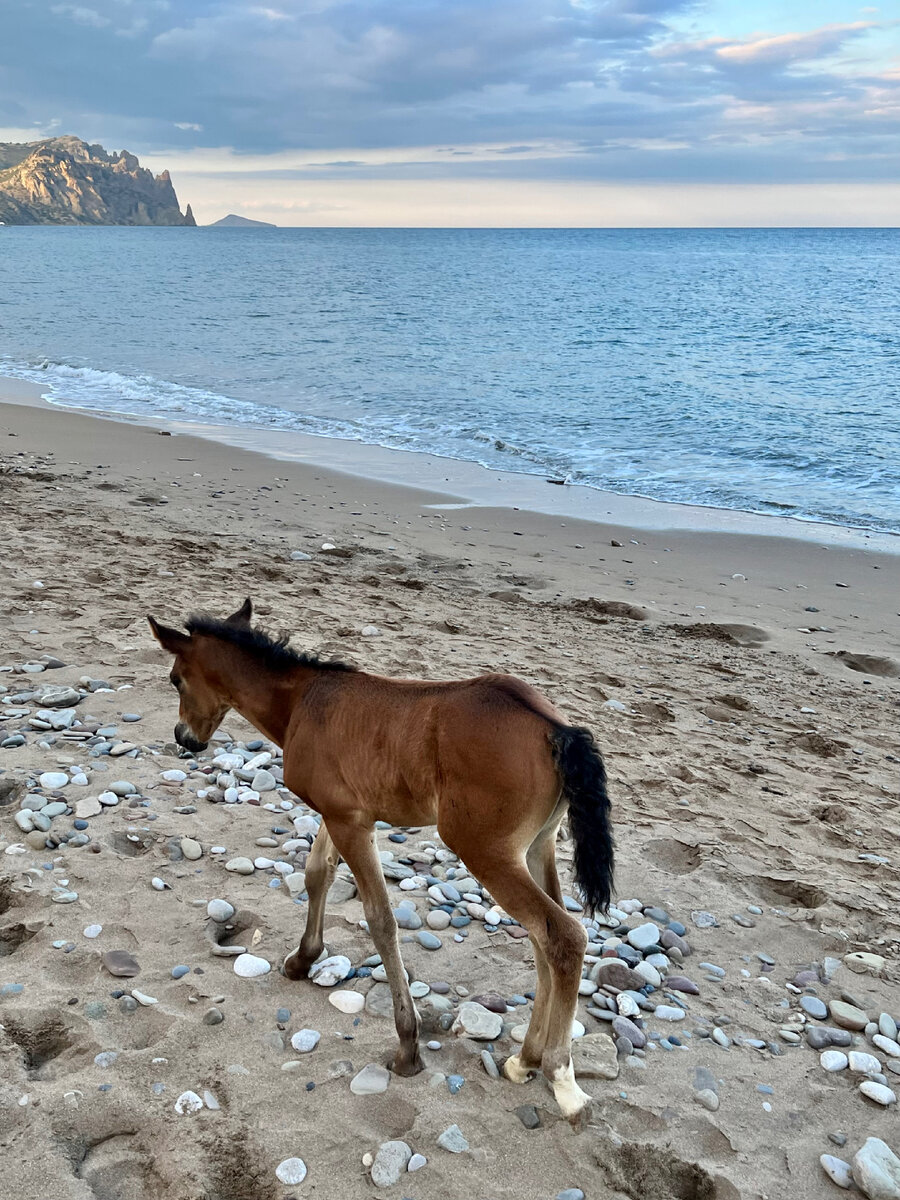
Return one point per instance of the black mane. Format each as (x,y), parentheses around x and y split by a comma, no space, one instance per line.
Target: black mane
(273,651)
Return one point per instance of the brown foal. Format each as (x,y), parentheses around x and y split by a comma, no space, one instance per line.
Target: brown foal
(488,760)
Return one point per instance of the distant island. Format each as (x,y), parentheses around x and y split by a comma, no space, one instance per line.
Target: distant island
(233,221)
(65,181)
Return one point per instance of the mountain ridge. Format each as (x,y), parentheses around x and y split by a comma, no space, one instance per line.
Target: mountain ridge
(66,181)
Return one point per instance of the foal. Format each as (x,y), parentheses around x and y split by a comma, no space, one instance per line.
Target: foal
(488,760)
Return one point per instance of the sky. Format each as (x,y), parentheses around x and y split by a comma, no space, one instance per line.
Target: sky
(477,112)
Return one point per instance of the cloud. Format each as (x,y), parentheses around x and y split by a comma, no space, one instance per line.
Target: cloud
(515,90)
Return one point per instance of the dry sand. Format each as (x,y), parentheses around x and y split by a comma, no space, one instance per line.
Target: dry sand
(726,795)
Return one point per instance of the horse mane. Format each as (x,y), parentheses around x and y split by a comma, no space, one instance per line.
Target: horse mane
(271,650)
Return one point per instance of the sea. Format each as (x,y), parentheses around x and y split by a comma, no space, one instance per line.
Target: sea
(747,369)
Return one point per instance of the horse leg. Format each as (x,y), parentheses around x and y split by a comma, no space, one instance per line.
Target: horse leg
(320,868)
(562,940)
(357,846)
(541,860)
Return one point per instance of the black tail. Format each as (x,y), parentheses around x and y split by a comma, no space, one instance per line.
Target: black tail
(583,778)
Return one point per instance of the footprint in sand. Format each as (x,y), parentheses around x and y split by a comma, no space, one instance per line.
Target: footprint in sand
(735,635)
(868,664)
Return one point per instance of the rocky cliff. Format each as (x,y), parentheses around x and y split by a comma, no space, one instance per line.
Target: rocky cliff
(64,181)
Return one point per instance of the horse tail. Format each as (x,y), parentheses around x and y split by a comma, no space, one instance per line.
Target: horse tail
(583,778)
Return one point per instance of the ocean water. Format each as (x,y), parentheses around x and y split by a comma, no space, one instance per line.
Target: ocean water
(748,369)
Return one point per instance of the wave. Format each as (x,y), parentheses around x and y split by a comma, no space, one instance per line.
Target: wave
(146,397)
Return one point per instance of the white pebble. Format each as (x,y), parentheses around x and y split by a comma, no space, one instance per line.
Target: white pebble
(248,966)
(347,1002)
(305,1040)
(837,1170)
(92,931)
(291,1171)
(878,1092)
(188,1102)
(833,1060)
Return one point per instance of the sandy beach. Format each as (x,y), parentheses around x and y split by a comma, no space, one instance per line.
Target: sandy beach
(743,688)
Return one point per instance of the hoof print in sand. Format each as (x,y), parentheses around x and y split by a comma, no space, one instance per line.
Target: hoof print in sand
(118,1167)
(48,1045)
(733,635)
(644,1173)
(869,664)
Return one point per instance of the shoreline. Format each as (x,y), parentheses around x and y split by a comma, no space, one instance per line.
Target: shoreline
(468,484)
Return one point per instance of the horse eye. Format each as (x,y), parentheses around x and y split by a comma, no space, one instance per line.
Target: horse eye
(175,682)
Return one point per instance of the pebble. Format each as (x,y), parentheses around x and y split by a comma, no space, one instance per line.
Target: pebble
(53,780)
(476,1021)
(416,1163)
(703,920)
(864,964)
(864,1064)
(291,1171)
(837,1170)
(188,1102)
(876,1170)
(570,1194)
(143,998)
(452,1139)
(120,963)
(878,1092)
(886,1045)
(179,972)
(305,1040)
(347,1002)
(158,884)
(390,1162)
(174,776)
(814,1007)
(372,1080)
(644,936)
(240,865)
(330,970)
(190,848)
(847,1016)
(220,910)
(88,806)
(93,931)
(428,940)
(833,1060)
(708,1098)
(213,1016)
(667,1012)
(887,1026)
(249,966)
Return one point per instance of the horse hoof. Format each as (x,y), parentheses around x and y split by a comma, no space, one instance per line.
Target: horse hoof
(407,1066)
(516,1072)
(581,1119)
(292,968)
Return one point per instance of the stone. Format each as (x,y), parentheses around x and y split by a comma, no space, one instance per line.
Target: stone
(476,1021)
(390,1163)
(594,1057)
(613,973)
(708,1098)
(249,966)
(372,1080)
(191,849)
(437,919)
(887,1026)
(143,999)
(879,1092)
(623,1027)
(93,931)
(240,865)
(305,1040)
(188,1102)
(528,1115)
(220,911)
(343,889)
(886,1045)
(53,780)
(847,1016)
(678,983)
(703,920)
(264,781)
(668,1012)
(58,697)
(452,1139)
(644,936)
(864,1064)
(347,1002)
(864,964)
(379,1002)
(876,1170)
(814,1007)
(330,970)
(291,1171)
(837,1170)
(120,963)
(416,1163)
(428,940)
(833,1060)
(88,806)
(213,1016)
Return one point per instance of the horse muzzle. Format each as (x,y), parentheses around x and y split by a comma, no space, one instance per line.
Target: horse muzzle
(184,737)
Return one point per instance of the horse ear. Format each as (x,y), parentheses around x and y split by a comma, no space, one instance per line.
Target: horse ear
(243,614)
(172,640)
